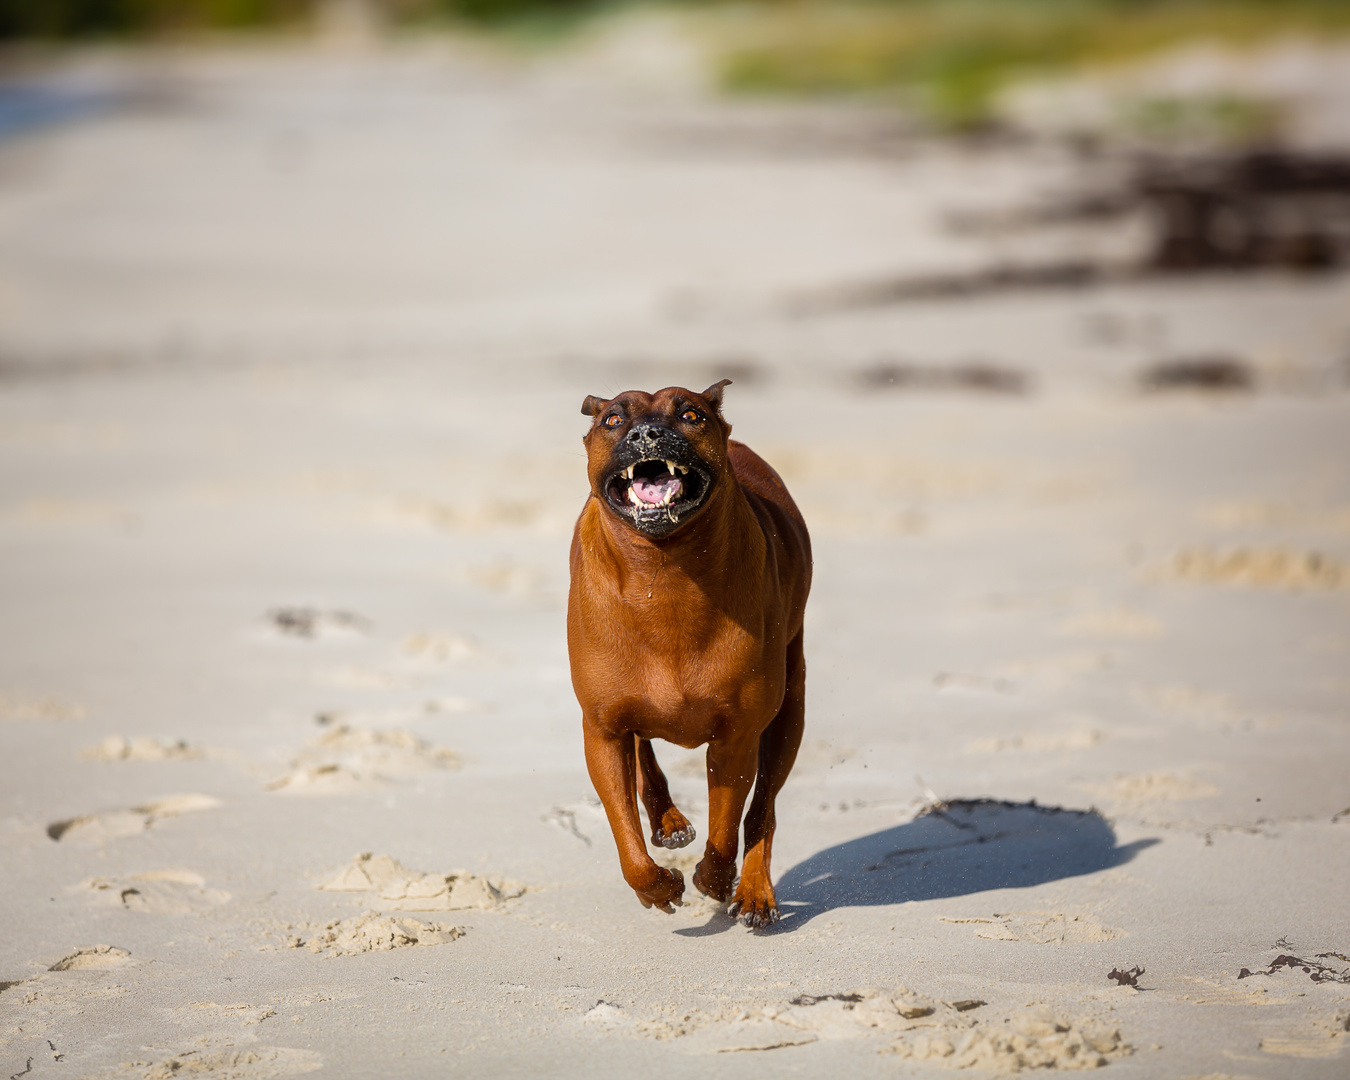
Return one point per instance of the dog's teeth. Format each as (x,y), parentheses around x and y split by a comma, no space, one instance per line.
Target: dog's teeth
(633,498)
(684,469)
(670,465)
(629,472)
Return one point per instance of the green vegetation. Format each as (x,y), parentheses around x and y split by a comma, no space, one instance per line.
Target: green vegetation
(954,55)
(101,18)
(501,12)
(1222,117)
(522,22)
(95,18)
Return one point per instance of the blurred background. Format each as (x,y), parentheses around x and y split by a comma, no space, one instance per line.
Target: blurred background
(952,63)
(1120,137)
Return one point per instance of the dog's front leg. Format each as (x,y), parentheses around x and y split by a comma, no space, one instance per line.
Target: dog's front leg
(612,763)
(731,771)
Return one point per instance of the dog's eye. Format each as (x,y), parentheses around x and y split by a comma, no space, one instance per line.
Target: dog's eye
(613,420)
(691,415)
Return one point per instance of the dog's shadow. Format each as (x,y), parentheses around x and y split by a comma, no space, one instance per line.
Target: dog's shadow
(950,849)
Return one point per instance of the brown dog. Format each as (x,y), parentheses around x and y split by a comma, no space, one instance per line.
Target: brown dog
(690,570)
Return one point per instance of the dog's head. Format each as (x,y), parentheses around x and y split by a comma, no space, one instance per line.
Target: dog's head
(655,460)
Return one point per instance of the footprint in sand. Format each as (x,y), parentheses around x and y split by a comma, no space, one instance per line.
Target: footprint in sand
(321,780)
(228,1062)
(1041,741)
(349,759)
(94,957)
(1255,514)
(417,654)
(361,678)
(141,748)
(1205,709)
(241,1013)
(805,1018)
(1143,789)
(438,648)
(1032,1039)
(1307,1041)
(374,933)
(99,828)
(1113,624)
(509,579)
(228,1050)
(1188,701)
(1050,673)
(920,1028)
(1270,568)
(35,1009)
(162,892)
(309,623)
(397,888)
(212,1054)
(605,1016)
(24,708)
(1040,927)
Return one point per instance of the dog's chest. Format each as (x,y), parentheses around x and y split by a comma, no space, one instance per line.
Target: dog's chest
(691,692)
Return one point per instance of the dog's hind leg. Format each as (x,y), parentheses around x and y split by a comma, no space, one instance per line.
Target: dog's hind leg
(731,771)
(754,901)
(670,828)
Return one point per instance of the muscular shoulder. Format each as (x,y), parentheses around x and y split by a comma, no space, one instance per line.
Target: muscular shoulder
(760,478)
(753,471)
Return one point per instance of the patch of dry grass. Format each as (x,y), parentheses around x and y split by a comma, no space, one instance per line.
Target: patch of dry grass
(952,56)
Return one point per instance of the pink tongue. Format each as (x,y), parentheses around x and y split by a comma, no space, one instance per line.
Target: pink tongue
(654,491)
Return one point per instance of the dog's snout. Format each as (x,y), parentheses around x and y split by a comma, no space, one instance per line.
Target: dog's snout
(648,436)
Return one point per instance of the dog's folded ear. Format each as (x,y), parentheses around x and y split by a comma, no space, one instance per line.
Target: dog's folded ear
(592,405)
(714,393)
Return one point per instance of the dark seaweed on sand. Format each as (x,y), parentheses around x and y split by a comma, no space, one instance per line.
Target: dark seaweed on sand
(1314,970)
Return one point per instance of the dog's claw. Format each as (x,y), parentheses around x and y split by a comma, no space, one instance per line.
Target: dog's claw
(678,839)
(755,915)
(760,920)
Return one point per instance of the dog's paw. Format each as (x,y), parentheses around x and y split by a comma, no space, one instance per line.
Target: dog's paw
(715,879)
(754,904)
(666,893)
(673,830)
(756,914)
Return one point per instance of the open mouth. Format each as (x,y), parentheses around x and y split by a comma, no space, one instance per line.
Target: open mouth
(657,490)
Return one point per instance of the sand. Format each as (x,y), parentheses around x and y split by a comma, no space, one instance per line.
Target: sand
(292,346)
